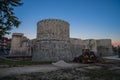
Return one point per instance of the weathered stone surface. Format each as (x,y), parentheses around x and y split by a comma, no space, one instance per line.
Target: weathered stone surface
(53,43)
(76,46)
(104,47)
(19,46)
(52,29)
(51,51)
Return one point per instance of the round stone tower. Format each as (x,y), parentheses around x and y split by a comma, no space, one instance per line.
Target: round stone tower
(52,43)
(52,29)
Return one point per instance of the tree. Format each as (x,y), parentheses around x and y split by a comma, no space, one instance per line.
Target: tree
(7,15)
(114,49)
(119,51)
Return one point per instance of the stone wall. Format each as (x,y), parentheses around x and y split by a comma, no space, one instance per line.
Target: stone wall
(104,47)
(52,41)
(52,51)
(91,44)
(19,45)
(101,47)
(76,46)
(52,29)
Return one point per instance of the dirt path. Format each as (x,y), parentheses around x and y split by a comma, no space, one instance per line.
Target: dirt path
(112,57)
(33,68)
(26,69)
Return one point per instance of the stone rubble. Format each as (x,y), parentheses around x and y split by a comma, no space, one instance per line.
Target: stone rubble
(62,63)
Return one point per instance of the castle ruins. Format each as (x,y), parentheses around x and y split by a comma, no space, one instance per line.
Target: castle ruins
(53,43)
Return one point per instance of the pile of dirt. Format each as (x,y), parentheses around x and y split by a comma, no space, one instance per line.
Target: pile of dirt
(62,63)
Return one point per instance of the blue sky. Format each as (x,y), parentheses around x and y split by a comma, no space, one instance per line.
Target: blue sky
(89,19)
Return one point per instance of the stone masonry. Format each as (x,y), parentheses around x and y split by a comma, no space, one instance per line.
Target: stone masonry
(53,43)
(19,45)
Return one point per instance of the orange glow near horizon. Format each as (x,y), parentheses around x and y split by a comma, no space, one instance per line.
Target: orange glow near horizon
(116,43)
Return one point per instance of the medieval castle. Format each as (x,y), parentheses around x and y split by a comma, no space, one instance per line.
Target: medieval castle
(53,43)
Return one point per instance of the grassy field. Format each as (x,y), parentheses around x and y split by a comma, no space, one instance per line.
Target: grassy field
(11,63)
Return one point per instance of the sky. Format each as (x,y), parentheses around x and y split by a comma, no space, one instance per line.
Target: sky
(88,19)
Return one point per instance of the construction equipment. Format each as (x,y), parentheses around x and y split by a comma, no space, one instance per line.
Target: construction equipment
(86,57)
